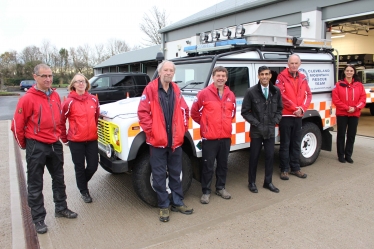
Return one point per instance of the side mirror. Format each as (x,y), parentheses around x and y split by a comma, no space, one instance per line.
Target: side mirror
(94,85)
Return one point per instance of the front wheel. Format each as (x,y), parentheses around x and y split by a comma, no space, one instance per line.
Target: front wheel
(142,177)
(311,143)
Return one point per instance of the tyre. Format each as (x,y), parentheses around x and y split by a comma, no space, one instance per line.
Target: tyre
(311,142)
(371,109)
(142,177)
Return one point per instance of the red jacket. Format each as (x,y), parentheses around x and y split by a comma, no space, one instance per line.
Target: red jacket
(37,116)
(293,98)
(214,114)
(152,121)
(345,95)
(83,113)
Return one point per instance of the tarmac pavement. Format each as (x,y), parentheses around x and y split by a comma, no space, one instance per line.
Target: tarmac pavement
(331,208)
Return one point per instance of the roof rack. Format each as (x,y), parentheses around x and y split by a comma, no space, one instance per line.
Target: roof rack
(263,33)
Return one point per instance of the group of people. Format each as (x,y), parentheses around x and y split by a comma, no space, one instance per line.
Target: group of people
(163,115)
(39,126)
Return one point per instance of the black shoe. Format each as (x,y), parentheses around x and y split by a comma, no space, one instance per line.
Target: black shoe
(271,187)
(342,160)
(86,198)
(348,159)
(67,213)
(41,227)
(252,187)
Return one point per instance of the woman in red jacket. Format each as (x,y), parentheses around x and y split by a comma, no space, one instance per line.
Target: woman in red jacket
(82,109)
(349,97)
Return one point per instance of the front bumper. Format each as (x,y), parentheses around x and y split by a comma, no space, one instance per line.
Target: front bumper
(115,165)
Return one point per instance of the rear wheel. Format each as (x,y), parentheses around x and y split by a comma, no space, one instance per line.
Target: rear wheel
(372,109)
(142,177)
(311,143)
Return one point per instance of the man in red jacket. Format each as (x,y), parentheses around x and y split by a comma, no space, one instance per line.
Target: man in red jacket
(214,109)
(36,128)
(163,115)
(296,97)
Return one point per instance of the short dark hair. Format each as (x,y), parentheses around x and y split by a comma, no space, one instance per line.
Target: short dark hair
(220,69)
(263,68)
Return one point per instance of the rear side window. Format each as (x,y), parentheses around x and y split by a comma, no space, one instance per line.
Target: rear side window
(141,80)
(238,80)
(103,82)
(123,81)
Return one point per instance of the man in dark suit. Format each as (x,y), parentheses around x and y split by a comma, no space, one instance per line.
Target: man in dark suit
(262,108)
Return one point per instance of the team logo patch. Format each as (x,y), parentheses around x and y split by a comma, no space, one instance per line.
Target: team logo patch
(195,99)
(276,82)
(20,110)
(143,97)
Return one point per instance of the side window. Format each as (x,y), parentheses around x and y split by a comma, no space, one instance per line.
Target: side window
(123,81)
(238,80)
(141,80)
(274,73)
(103,82)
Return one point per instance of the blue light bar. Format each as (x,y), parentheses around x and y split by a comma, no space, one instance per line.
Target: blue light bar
(189,48)
(231,42)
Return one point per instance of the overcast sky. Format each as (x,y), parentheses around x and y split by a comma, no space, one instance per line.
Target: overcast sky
(70,23)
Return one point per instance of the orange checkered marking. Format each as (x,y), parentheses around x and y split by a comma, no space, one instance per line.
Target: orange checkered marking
(240,127)
(196,134)
(247,138)
(190,123)
(311,106)
(233,139)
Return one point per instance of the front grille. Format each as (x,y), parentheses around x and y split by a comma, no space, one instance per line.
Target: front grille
(104,132)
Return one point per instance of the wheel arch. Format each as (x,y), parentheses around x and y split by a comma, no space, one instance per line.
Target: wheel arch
(314,117)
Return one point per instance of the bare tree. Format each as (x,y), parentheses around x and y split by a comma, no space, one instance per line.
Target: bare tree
(151,24)
(46,51)
(115,46)
(31,54)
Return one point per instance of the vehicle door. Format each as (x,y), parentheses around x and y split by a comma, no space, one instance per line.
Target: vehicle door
(100,87)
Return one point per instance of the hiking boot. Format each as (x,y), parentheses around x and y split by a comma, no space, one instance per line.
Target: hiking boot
(41,227)
(298,174)
(205,199)
(67,213)
(284,175)
(223,193)
(183,209)
(164,214)
(86,198)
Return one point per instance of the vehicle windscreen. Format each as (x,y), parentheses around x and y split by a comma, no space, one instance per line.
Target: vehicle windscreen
(191,76)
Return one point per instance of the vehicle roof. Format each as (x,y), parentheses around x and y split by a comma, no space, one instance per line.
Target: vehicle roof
(121,73)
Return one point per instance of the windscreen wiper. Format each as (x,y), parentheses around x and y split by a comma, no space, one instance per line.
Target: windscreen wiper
(192,83)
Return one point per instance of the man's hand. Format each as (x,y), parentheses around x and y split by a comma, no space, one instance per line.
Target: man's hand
(298,112)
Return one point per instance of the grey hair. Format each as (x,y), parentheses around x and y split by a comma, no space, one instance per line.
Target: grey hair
(298,56)
(39,66)
(159,67)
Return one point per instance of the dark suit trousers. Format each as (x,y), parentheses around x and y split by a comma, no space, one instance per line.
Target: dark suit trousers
(256,146)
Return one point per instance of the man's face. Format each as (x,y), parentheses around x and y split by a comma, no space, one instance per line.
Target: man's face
(43,79)
(167,73)
(264,77)
(294,64)
(219,79)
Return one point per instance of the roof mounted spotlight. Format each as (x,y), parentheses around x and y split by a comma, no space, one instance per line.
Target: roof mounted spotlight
(203,37)
(215,35)
(239,31)
(305,24)
(226,32)
(296,41)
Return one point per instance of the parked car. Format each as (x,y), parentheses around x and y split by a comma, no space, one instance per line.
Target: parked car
(111,87)
(26,84)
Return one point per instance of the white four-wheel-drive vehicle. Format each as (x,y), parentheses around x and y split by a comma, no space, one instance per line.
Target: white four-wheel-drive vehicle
(122,143)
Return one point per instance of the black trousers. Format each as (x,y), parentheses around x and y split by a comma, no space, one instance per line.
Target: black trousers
(82,152)
(290,140)
(213,150)
(349,125)
(256,145)
(38,155)
(166,161)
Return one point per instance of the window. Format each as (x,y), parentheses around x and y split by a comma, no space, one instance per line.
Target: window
(238,80)
(103,82)
(141,80)
(123,81)
(274,73)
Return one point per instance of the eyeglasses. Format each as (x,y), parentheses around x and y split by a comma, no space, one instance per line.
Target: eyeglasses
(44,76)
(80,81)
